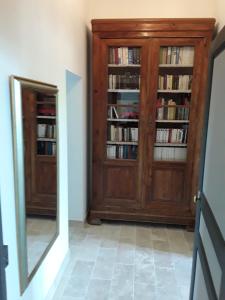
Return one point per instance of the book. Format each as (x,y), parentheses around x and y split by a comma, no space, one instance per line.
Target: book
(41,130)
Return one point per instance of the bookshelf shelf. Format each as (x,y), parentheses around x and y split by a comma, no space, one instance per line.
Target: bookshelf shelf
(122,120)
(175,66)
(45,102)
(175,91)
(172,121)
(169,162)
(46,139)
(46,117)
(124,66)
(123,105)
(123,91)
(146,122)
(121,143)
(170,145)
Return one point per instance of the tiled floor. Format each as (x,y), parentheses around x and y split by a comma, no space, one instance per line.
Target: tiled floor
(117,261)
(40,232)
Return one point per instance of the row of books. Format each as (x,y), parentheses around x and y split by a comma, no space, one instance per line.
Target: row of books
(46,110)
(46,148)
(46,98)
(125,81)
(171,135)
(120,133)
(175,82)
(122,112)
(168,110)
(177,55)
(124,56)
(122,151)
(46,131)
(170,153)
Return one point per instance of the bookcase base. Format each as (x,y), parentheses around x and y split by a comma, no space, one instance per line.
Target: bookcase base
(95,218)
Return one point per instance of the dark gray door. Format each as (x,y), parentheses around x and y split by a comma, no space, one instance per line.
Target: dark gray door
(208,273)
(3,262)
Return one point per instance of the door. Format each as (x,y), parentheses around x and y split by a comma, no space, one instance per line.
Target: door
(118,122)
(3,262)
(175,106)
(208,273)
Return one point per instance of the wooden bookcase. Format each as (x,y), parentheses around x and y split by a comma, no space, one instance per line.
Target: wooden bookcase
(39,121)
(149,83)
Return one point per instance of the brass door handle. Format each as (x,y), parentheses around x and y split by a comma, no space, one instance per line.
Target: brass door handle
(197,197)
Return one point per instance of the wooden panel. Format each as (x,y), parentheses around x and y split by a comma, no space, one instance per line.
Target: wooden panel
(45,181)
(168,185)
(120,183)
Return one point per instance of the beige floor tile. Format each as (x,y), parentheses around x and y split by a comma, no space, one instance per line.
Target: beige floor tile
(125,255)
(123,271)
(162,254)
(103,270)
(83,269)
(121,290)
(117,261)
(76,287)
(98,290)
(158,233)
(185,290)
(143,255)
(145,273)
(110,240)
(144,291)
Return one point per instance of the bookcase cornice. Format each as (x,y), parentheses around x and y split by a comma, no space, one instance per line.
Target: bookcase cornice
(167,24)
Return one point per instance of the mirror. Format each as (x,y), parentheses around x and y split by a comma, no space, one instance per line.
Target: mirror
(35,135)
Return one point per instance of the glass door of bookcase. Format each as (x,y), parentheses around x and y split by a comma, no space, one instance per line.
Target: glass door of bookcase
(172,106)
(123,98)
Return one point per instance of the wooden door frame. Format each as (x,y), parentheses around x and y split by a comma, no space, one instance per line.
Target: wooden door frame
(3,262)
(203,207)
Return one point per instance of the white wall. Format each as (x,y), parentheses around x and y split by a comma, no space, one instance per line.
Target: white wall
(220,12)
(76,122)
(40,40)
(151,8)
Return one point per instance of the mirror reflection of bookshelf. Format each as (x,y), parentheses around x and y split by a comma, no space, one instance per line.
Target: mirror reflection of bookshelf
(123,102)
(173,103)
(46,125)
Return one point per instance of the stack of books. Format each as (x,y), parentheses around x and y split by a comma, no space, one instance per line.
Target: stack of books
(121,151)
(170,153)
(177,55)
(171,135)
(125,81)
(168,110)
(175,82)
(46,148)
(124,56)
(46,131)
(121,133)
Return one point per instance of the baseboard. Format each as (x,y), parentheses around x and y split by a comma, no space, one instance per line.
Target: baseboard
(59,276)
(74,221)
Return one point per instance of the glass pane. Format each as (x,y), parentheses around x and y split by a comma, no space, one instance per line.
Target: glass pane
(173,103)
(123,102)
(46,125)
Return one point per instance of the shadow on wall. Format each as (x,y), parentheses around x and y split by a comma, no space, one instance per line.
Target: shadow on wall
(76,135)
